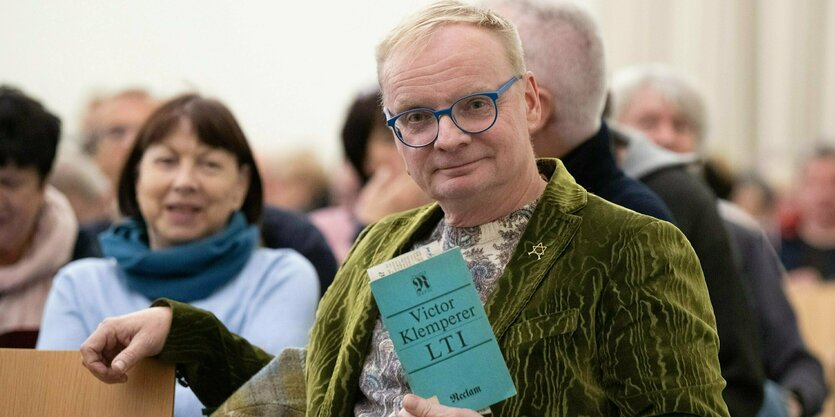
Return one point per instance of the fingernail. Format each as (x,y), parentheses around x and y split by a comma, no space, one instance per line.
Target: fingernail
(119,365)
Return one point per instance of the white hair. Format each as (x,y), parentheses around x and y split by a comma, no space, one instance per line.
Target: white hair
(564,50)
(674,87)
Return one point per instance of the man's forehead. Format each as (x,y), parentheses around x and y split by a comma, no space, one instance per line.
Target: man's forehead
(455,67)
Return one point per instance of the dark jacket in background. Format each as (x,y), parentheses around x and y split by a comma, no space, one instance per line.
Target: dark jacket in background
(695,212)
(593,167)
(786,358)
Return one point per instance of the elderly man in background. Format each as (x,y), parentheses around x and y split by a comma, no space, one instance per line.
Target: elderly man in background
(631,330)
(110,127)
(671,113)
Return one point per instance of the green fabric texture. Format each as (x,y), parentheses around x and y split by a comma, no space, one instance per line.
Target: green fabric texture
(613,319)
(209,357)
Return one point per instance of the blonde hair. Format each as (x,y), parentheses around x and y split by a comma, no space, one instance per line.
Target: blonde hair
(413,31)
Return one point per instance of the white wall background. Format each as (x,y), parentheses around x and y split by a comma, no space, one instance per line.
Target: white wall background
(289,69)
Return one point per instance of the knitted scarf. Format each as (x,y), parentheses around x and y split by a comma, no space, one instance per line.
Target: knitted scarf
(187,272)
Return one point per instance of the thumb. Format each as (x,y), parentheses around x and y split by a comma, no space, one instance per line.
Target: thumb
(417,406)
(126,359)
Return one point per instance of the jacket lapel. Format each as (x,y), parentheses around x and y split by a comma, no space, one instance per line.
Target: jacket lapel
(547,235)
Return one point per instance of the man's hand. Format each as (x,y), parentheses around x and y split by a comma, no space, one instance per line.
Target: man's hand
(414,406)
(120,342)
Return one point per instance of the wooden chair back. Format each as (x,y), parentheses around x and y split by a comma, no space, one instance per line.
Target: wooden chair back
(56,384)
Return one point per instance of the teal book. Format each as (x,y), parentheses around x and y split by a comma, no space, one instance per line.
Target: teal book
(439,329)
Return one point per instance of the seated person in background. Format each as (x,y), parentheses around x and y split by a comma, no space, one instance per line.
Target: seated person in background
(385,186)
(671,113)
(111,125)
(293,180)
(808,248)
(337,221)
(638,335)
(752,193)
(38,229)
(192,196)
(564,48)
(85,186)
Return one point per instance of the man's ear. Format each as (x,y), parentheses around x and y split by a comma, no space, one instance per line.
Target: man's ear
(546,112)
(533,104)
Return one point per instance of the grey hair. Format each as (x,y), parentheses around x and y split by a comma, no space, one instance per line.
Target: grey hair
(413,31)
(660,79)
(564,49)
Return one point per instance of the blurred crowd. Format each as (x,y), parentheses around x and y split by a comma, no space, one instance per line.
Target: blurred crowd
(164,197)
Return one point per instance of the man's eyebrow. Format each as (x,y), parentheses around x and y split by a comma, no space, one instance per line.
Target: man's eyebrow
(409,103)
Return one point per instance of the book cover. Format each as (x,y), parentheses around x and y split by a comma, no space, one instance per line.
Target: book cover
(439,329)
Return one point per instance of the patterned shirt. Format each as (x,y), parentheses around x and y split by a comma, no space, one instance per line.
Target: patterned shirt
(487,249)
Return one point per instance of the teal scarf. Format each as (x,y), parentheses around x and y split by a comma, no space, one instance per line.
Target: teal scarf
(187,272)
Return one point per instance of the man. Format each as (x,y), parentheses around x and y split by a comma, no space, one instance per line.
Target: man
(563,47)
(631,326)
(808,249)
(662,105)
(110,127)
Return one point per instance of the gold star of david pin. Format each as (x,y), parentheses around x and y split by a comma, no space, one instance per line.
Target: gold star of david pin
(538,250)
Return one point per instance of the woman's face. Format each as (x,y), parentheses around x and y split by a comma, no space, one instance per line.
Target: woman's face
(187,190)
(382,152)
(21,197)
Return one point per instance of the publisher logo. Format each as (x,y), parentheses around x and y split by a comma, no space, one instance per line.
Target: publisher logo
(421,284)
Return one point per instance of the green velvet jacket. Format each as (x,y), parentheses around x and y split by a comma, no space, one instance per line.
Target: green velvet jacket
(611,318)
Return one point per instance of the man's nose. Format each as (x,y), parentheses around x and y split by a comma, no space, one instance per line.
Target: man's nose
(664,135)
(450,136)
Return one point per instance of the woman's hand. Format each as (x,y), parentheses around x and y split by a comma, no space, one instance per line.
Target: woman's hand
(120,342)
(388,191)
(414,406)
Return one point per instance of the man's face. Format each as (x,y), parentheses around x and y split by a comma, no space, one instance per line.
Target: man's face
(117,121)
(817,192)
(660,120)
(458,60)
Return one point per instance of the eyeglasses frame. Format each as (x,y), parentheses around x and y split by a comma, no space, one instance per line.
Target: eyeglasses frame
(493,95)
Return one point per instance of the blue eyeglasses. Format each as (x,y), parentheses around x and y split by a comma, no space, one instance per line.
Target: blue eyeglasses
(472,114)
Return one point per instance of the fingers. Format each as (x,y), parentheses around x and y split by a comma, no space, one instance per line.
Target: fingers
(95,355)
(120,343)
(414,406)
